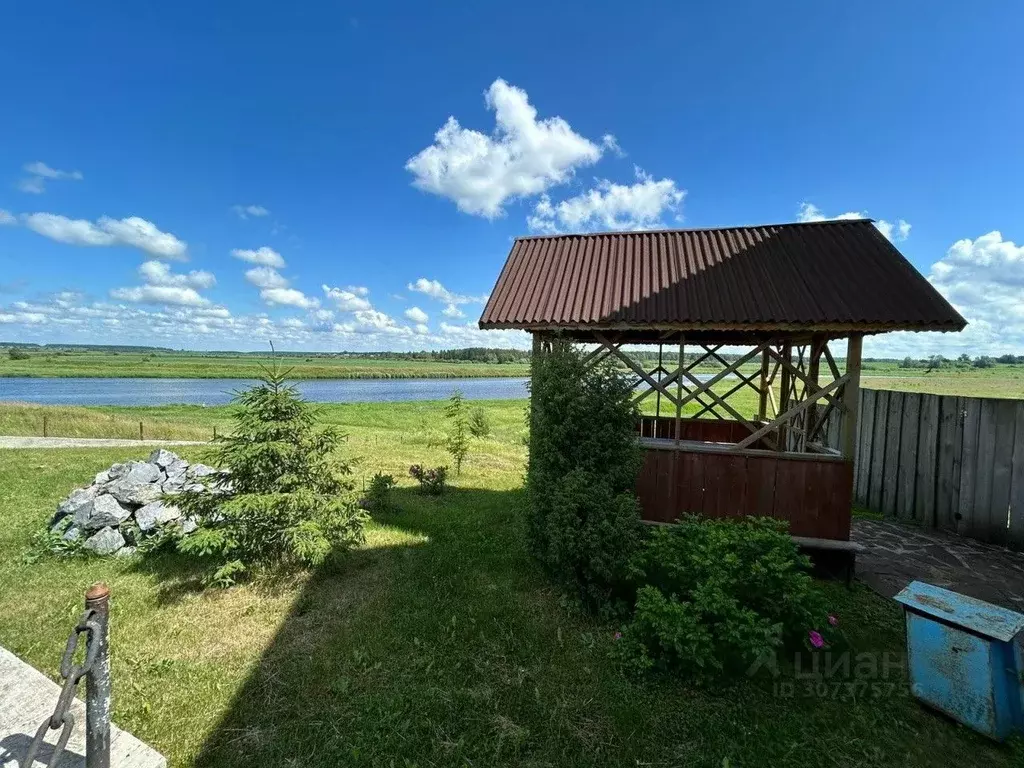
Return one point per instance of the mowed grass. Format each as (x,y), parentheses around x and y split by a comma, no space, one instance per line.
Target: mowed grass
(199,366)
(438,643)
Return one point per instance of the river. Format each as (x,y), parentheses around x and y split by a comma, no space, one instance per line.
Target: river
(101,391)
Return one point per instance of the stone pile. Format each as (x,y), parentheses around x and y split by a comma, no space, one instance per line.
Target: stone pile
(128,502)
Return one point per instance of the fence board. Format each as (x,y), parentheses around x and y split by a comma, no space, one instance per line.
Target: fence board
(862,466)
(947,483)
(986,452)
(878,449)
(892,453)
(927,460)
(1015,535)
(906,468)
(999,505)
(968,466)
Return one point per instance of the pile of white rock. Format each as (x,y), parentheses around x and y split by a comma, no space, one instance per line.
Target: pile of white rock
(127,502)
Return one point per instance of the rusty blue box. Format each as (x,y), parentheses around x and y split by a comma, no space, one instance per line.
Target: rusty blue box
(963,659)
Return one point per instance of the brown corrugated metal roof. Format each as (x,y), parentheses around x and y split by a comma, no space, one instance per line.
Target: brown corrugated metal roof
(823,276)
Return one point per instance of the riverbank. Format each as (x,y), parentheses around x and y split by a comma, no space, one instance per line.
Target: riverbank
(111,365)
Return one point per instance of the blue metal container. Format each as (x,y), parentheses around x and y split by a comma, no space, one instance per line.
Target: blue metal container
(963,659)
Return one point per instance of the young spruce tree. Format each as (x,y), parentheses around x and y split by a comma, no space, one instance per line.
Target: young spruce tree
(282,496)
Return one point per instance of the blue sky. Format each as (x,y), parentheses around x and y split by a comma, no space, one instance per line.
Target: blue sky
(350,175)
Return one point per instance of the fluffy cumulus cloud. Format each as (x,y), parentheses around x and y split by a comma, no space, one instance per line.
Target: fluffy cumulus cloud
(452,311)
(39,173)
(266,277)
(610,206)
(159,273)
(417,315)
(133,231)
(288,297)
(895,232)
(245,211)
(264,257)
(435,290)
(523,156)
(351,298)
(984,279)
(162,286)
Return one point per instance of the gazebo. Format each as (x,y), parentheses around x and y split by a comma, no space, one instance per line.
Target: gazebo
(727,311)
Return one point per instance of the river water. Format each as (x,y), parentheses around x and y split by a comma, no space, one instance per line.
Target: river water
(101,391)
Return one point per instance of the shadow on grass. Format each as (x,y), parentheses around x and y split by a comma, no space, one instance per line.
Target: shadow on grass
(442,643)
(382,657)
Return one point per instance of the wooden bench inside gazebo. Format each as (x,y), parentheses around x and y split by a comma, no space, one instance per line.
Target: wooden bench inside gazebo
(779,311)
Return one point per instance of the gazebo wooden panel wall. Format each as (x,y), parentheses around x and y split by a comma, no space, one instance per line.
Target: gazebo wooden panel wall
(814,494)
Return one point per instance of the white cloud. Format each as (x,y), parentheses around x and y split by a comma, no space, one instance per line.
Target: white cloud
(417,315)
(351,298)
(6,217)
(160,294)
(422,329)
(289,297)
(245,211)
(609,142)
(34,185)
(266,277)
(42,169)
(132,231)
(435,290)
(373,322)
(39,172)
(161,286)
(894,232)
(523,156)
(984,279)
(158,273)
(265,257)
(610,206)
(452,311)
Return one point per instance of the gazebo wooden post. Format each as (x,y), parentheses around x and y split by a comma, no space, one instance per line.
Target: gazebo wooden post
(762,405)
(817,345)
(851,395)
(679,390)
(786,351)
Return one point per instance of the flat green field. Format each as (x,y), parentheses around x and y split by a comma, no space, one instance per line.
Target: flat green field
(198,366)
(438,643)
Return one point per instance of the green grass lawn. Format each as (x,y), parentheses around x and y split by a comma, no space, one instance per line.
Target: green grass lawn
(438,643)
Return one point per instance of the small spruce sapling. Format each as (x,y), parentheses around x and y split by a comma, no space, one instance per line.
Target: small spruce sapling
(457,441)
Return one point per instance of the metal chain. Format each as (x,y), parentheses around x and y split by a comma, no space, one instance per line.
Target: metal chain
(72,674)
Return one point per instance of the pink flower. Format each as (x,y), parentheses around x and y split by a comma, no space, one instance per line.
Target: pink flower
(816,639)
(833,620)
(618,635)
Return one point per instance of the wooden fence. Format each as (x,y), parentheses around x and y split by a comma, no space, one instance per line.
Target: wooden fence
(947,462)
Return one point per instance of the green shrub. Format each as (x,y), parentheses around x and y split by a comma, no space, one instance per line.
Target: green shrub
(713,596)
(479,424)
(457,441)
(378,494)
(584,521)
(18,354)
(282,497)
(432,481)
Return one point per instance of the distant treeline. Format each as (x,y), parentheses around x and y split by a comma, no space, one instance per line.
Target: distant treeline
(964,361)
(469,354)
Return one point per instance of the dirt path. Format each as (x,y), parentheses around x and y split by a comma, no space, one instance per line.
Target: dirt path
(83,442)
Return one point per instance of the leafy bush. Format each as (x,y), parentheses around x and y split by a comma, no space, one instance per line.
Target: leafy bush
(457,442)
(281,497)
(432,481)
(479,424)
(18,354)
(584,521)
(715,595)
(378,495)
